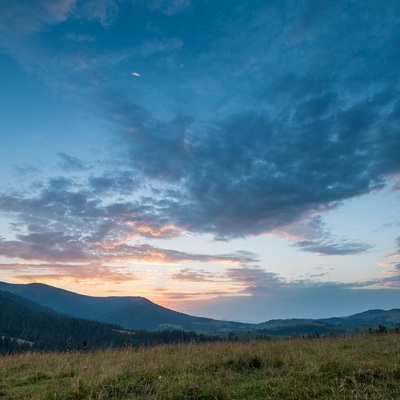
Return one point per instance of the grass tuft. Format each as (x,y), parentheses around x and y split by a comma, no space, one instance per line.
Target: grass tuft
(244,364)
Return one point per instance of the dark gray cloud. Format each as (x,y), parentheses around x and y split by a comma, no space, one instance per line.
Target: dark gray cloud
(254,172)
(122,183)
(312,123)
(161,149)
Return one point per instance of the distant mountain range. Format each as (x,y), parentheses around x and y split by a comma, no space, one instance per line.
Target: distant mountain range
(140,313)
(128,312)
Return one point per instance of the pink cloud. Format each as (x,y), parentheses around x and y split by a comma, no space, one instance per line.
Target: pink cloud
(78,273)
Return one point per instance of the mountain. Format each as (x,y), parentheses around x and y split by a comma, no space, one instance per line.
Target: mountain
(26,324)
(371,317)
(128,312)
(140,313)
(356,323)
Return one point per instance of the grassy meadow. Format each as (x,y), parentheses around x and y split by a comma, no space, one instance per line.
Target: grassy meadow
(358,367)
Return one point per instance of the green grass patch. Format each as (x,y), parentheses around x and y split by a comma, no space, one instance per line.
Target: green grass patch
(359,367)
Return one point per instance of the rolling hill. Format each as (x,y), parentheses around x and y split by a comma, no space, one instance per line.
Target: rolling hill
(141,313)
(26,324)
(128,312)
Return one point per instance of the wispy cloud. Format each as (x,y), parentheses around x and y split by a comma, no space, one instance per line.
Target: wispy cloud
(92,273)
(313,235)
(392,267)
(259,295)
(191,275)
(168,7)
(23,18)
(70,163)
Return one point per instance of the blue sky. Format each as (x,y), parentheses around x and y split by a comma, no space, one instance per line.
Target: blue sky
(231,159)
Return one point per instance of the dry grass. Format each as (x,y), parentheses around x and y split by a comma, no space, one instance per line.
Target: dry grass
(364,367)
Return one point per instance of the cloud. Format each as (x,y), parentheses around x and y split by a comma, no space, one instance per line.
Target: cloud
(92,273)
(48,246)
(185,297)
(154,47)
(168,7)
(120,182)
(253,294)
(260,295)
(66,64)
(104,11)
(313,235)
(255,281)
(252,173)
(392,267)
(298,141)
(27,171)
(307,302)
(70,163)
(259,283)
(191,275)
(149,253)
(28,17)
(61,222)
(333,249)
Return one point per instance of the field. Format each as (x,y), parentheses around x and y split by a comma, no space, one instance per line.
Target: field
(359,367)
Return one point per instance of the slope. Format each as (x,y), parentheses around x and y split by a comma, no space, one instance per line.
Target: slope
(45,329)
(128,312)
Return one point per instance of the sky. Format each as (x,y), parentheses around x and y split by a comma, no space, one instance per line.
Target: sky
(233,159)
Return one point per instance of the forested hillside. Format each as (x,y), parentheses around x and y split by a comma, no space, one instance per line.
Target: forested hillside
(129,312)
(78,321)
(25,325)
(42,328)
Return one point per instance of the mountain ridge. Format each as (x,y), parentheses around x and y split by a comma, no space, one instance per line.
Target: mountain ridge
(127,311)
(135,312)
(29,326)
(35,327)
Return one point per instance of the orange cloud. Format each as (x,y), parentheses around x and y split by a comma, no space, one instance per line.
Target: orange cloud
(387,264)
(78,273)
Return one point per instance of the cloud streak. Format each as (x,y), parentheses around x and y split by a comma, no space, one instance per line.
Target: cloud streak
(93,273)
(259,295)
